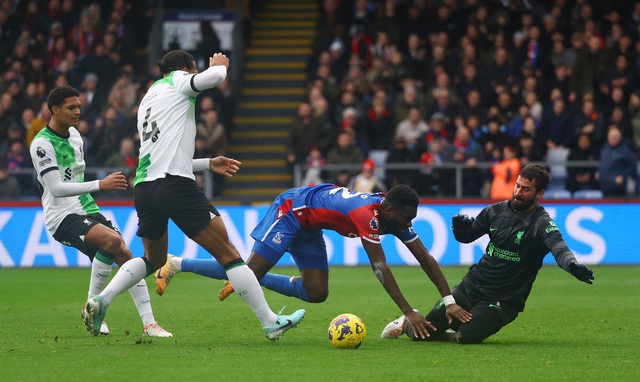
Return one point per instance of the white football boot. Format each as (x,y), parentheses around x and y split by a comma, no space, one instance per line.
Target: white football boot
(155,330)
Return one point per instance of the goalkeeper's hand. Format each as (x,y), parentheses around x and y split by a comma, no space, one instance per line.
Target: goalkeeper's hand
(581,272)
(461,221)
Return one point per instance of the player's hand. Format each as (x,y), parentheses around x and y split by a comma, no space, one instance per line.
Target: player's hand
(219,59)
(225,166)
(581,272)
(455,311)
(418,324)
(461,221)
(113,182)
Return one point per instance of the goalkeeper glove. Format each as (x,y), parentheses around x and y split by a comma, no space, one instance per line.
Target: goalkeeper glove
(581,272)
(461,221)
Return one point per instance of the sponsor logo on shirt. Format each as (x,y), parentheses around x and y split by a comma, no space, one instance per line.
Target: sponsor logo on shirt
(504,254)
(552,227)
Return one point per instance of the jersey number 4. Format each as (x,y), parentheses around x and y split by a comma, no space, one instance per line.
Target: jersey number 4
(149,132)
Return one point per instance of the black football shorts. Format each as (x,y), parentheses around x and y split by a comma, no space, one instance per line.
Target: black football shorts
(74,227)
(176,198)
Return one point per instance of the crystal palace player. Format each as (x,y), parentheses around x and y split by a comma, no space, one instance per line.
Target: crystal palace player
(495,289)
(294,224)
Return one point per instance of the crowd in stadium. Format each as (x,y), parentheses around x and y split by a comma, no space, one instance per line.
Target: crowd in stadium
(92,46)
(390,81)
(466,82)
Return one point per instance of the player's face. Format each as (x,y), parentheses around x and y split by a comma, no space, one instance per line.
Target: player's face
(68,114)
(524,195)
(400,218)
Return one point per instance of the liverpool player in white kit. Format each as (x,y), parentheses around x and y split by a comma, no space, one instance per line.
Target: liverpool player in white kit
(165,189)
(70,213)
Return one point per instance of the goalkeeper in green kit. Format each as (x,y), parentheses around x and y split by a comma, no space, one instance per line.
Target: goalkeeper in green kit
(495,289)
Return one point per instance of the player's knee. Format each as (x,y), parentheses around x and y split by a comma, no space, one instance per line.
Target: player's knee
(466,336)
(114,244)
(318,296)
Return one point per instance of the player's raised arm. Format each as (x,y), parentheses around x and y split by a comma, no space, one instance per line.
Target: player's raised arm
(384,275)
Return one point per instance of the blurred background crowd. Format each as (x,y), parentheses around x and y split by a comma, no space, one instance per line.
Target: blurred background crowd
(490,85)
(467,82)
(98,47)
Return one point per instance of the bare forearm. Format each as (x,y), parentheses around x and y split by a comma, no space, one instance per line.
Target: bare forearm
(384,275)
(433,271)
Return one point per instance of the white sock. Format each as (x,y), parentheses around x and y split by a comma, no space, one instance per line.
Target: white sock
(246,285)
(140,295)
(129,274)
(100,273)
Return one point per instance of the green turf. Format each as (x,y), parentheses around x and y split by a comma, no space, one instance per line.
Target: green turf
(569,331)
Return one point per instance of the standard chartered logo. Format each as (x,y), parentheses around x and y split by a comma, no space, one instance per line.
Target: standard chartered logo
(504,254)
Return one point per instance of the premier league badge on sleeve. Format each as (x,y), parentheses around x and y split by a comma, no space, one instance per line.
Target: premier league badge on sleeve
(41,154)
(374,224)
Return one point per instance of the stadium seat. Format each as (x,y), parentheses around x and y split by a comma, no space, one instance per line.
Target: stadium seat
(557,194)
(380,159)
(557,160)
(588,194)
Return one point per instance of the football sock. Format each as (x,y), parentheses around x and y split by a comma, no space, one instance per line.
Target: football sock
(140,295)
(285,285)
(209,268)
(100,272)
(129,274)
(247,287)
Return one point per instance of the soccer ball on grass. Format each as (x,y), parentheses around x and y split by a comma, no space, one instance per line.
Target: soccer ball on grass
(347,331)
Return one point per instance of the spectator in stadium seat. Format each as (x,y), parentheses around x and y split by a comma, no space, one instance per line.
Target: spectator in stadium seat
(582,177)
(366,181)
(617,164)
(9,186)
(345,152)
(378,122)
(411,128)
(467,151)
(505,174)
(401,154)
(306,131)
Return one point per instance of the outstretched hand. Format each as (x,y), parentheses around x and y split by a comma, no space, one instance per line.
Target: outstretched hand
(113,182)
(418,324)
(581,272)
(225,166)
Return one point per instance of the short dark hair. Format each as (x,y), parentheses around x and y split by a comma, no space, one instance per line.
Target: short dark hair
(538,173)
(58,95)
(175,60)
(402,195)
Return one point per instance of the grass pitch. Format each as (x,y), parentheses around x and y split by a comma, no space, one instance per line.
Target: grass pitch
(569,331)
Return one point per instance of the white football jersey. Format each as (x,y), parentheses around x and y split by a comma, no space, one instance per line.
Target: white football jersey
(167,128)
(52,152)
